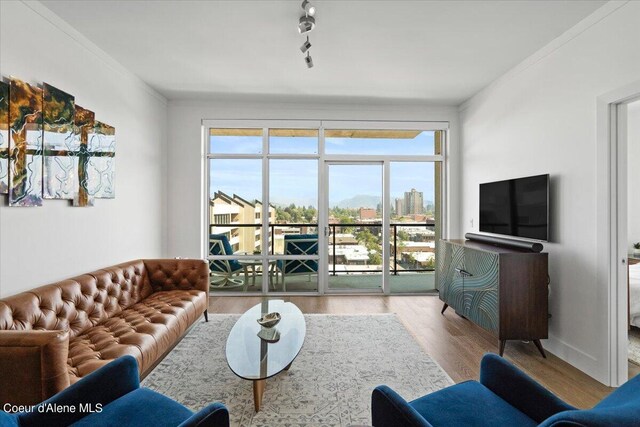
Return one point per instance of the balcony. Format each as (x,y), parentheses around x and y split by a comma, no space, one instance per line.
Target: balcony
(355,255)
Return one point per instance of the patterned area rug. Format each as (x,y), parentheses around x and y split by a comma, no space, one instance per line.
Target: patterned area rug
(634,345)
(329,383)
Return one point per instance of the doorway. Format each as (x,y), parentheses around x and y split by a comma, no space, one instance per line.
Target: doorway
(356,246)
(613,216)
(630,120)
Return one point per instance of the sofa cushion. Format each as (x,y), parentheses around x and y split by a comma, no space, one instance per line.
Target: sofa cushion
(145,331)
(469,404)
(79,303)
(141,407)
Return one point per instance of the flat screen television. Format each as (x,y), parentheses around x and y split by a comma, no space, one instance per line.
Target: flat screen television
(516,207)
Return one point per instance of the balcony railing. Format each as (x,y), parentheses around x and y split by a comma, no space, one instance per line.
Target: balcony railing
(332,239)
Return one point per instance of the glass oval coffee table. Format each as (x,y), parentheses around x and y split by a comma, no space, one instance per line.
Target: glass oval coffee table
(254,359)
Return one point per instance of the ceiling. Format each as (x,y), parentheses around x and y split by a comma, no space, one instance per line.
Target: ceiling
(428,51)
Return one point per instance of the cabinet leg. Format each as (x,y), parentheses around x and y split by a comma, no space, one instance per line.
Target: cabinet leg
(540,349)
(444,307)
(502,344)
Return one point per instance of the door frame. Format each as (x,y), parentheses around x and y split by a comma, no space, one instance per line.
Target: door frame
(324,226)
(611,227)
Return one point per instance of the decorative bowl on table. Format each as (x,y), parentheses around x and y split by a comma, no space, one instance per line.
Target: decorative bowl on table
(270,335)
(270,320)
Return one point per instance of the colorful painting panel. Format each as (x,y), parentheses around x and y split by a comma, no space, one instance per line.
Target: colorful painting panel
(101,164)
(61,145)
(4,138)
(85,122)
(25,144)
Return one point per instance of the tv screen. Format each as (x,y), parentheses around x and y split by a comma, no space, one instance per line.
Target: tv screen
(516,207)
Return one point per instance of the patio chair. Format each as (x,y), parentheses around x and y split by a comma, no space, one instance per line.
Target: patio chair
(223,270)
(300,244)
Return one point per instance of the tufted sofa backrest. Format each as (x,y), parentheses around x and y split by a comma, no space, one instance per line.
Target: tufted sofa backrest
(79,303)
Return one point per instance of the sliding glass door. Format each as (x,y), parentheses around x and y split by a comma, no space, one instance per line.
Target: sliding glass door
(354,226)
(323,207)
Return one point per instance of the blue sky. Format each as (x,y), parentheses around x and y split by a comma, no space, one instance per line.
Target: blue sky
(296,181)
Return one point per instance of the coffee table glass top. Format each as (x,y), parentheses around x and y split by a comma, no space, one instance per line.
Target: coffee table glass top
(251,358)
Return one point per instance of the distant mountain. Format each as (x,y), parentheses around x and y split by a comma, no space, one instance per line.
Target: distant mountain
(360,201)
(283,202)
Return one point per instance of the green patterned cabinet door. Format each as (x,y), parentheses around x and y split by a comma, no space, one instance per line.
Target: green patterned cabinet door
(481,288)
(450,284)
(501,289)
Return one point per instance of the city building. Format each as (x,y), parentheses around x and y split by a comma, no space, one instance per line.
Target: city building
(413,202)
(399,206)
(233,216)
(367,213)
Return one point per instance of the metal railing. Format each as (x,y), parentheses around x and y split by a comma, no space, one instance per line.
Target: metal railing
(332,227)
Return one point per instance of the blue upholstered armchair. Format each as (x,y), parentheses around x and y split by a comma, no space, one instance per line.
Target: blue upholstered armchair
(222,270)
(112,396)
(298,244)
(505,396)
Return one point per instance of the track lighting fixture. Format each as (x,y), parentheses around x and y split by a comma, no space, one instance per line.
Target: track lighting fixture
(305,46)
(306,24)
(308,8)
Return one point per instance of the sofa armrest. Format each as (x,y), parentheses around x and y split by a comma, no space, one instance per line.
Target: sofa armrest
(389,409)
(33,365)
(214,415)
(91,393)
(172,274)
(519,390)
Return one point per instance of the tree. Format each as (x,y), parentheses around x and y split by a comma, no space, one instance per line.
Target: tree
(375,258)
(403,235)
(295,214)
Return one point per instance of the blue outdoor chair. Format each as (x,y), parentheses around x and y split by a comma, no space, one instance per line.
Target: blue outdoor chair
(298,244)
(114,395)
(223,270)
(505,396)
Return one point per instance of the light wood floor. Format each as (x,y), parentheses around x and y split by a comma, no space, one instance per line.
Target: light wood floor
(455,343)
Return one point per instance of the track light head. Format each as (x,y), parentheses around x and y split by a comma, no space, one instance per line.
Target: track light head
(308,8)
(306,24)
(308,60)
(305,46)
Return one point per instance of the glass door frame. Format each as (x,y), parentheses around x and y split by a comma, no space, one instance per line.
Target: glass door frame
(324,255)
(323,209)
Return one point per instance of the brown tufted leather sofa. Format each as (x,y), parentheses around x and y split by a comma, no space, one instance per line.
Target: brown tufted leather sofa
(52,336)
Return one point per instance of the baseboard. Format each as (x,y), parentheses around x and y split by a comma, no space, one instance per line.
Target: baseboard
(576,358)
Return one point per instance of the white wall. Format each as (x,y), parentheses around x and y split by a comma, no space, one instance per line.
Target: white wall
(185,203)
(541,118)
(56,241)
(633,171)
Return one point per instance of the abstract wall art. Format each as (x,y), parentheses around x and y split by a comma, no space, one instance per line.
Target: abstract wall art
(51,148)
(101,164)
(85,121)
(4,138)
(25,144)
(61,145)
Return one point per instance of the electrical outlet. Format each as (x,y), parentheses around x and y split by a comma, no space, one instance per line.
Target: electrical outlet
(471,222)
